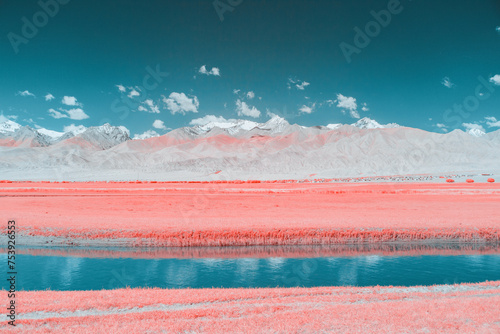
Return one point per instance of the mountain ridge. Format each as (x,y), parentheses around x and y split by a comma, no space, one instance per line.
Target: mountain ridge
(270,150)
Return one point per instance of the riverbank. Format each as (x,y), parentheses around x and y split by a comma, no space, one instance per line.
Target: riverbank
(232,214)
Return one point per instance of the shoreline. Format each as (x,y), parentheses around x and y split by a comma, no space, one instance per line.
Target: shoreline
(223,215)
(298,237)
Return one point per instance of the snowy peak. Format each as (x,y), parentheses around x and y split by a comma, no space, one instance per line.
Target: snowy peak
(27,136)
(104,136)
(334,126)
(9,127)
(231,126)
(275,125)
(476,132)
(236,126)
(368,123)
(108,130)
(54,135)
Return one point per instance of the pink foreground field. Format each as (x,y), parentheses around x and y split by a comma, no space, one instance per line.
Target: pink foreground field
(447,308)
(232,214)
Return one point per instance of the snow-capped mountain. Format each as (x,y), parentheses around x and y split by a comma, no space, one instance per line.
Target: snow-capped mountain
(9,127)
(22,136)
(54,135)
(476,132)
(242,150)
(367,123)
(102,137)
(234,127)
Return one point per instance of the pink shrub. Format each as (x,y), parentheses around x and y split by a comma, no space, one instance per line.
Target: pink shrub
(491,180)
(470,181)
(450,180)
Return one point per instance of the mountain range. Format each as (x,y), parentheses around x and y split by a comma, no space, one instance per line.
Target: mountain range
(241,149)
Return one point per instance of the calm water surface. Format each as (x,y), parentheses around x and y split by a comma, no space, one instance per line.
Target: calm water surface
(90,273)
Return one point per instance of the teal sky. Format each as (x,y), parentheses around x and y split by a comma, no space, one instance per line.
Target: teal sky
(431,56)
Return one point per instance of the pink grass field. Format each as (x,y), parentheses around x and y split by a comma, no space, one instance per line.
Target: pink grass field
(232,214)
(447,308)
(236,214)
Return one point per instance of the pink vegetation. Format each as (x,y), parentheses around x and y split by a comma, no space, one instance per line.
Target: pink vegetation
(470,181)
(462,308)
(400,249)
(252,213)
(491,180)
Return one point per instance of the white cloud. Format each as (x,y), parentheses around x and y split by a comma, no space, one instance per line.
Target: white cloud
(146,135)
(133,93)
(250,95)
(76,129)
(348,103)
(159,124)
(495,79)
(180,103)
(151,107)
(56,114)
(244,109)
(492,122)
(473,126)
(236,91)
(447,82)
(300,85)
(75,113)
(70,101)
(442,127)
(121,88)
(498,29)
(307,110)
(25,93)
(214,71)
(49,97)
(365,107)
(208,119)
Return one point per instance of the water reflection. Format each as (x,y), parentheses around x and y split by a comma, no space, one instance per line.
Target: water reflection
(39,272)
